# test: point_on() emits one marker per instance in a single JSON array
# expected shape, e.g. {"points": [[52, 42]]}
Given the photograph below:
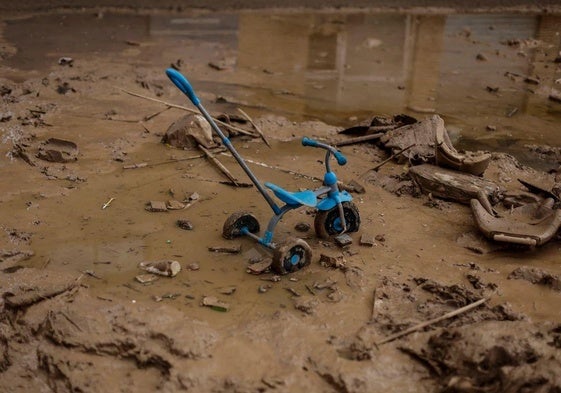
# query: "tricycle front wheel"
{"points": [[328, 222]]}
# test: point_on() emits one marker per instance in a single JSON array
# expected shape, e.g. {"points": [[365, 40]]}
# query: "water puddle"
{"points": [[488, 75]]}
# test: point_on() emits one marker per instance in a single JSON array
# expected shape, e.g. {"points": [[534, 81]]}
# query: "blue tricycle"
{"points": [[336, 213]]}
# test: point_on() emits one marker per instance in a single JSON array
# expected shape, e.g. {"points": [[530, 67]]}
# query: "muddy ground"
{"points": [[73, 316]]}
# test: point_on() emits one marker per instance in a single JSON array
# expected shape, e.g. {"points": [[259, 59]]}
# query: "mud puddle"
{"points": [[83, 227]]}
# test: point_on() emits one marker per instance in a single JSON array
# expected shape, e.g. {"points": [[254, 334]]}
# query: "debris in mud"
{"points": [[536, 276], [396, 184], [464, 360], [452, 185], [184, 224], [215, 304], [343, 240], [193, 266], [379, 124], [223, 65], [66, 61], [65, 88], [446, 155], [530, 225], [58, 150], [477, 243], [332, 262], [173, 204], [228, 290], [253, 256], [167, 268], [146, 278], [306, 304], [367, 240], [226, 249], [261, 267], [188, 132], [157, 206]]}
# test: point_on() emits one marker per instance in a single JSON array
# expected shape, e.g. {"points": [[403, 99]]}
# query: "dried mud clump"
{"points": [[492, 357]]}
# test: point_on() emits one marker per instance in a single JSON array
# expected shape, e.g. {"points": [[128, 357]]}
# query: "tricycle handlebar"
{"points": [[341, 159]]}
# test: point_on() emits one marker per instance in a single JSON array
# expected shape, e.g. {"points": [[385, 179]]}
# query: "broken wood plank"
{"points": [[450, 184]]}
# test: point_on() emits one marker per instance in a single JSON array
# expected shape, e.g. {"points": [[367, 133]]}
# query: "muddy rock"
{"points": [[189, 131]]}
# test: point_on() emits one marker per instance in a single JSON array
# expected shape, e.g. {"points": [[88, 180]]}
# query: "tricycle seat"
{"points": [[306, 198]]}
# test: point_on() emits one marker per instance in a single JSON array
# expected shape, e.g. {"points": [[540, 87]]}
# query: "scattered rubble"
{"points": [[167, 268]]}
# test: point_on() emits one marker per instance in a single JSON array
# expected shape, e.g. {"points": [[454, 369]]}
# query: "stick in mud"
{"points": [[222, 168], [359, 139], [388, 160], [146, 165], [257, 128], [433, 321], [240, 130]]}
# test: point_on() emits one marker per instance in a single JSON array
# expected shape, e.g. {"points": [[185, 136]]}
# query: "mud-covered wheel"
{"points": [[234, 224], [328, 223], [291, 255]]}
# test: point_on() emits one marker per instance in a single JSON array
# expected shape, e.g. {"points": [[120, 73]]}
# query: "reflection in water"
{"points": [[471, 69]]}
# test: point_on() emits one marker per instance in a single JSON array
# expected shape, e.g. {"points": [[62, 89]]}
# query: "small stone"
{"points": [[381, 238], [185, 224], [157, 206], [193, 266], [215, 304], [227, 290], [481, 57], [367, 240], [264, 288], [302, 227], [491, 128]]}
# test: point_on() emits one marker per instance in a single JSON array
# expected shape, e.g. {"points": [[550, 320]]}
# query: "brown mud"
{"points": [[75, 224]]}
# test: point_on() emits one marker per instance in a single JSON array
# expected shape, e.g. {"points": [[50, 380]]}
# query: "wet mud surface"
{"points": [[89, 192]]}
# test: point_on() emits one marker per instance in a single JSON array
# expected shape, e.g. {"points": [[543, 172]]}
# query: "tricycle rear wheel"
{"points": [[291, 255], [237, 221]]}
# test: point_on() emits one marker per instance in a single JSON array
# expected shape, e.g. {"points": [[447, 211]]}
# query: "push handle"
{"points": [[341, 159], [183, 84], [309, 142]]}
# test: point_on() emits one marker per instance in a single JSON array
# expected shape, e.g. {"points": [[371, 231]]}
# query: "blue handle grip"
{"points": [[309, 142], [341, 159], [183, 84]]}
